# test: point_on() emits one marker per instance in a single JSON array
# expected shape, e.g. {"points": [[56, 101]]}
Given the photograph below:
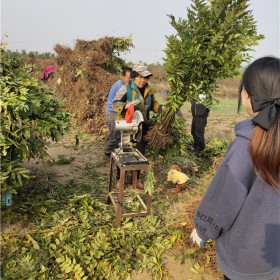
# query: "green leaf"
{"points": [[68, 269]]}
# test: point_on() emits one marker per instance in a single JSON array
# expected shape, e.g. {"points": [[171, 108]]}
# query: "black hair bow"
{"points": [[267, 110]]}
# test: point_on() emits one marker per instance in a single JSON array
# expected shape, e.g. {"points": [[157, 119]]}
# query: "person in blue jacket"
{"points": [[111, 114], [241, 207]]}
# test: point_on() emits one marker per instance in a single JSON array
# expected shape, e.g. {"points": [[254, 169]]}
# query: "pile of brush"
{"points": [[83, 78]]}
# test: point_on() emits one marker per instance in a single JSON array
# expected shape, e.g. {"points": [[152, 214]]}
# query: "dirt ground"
{"points": [[218, 125], [90, 151]]}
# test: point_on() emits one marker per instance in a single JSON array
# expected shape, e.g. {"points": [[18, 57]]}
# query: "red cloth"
{"points": [[129, 114], [48, 70]]}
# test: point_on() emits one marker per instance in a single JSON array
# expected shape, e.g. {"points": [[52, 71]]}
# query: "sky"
{"points": [[38, 25]]}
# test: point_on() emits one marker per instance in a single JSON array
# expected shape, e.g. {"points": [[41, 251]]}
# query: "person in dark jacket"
{"points": [[199, 120], [241, 207]]}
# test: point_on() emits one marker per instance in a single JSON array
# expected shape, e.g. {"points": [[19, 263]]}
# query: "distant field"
{"points": [[225, 106], [220, 122]]}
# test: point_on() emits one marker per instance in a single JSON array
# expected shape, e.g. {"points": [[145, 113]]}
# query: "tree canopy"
{"points": [[210, 44]]}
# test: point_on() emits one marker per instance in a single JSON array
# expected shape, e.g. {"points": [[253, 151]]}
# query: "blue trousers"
{"points": [[114, 137]]}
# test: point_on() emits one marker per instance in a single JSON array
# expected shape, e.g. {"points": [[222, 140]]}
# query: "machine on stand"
{"points": [[128, 158], [131, 131]]}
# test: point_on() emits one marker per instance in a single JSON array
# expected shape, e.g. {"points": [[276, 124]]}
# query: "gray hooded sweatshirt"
{"points": [[243, 214]]}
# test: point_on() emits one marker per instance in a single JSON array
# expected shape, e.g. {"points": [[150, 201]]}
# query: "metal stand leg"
{"points": [[120, 199], [119, 204], [110, 179], [134, 178]]}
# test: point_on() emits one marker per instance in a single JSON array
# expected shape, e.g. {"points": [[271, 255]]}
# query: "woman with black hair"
{"points": [[241, 207]]}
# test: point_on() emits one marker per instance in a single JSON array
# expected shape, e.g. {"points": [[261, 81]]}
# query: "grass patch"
{"points": [[224, 106]]}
